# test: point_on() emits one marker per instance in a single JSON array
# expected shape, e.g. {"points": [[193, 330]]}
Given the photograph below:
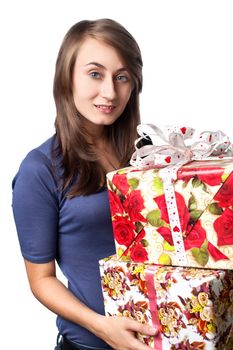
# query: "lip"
{"points": [[107, 109]]}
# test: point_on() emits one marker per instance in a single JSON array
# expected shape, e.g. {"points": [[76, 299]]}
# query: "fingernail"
{"points": [[153, 330]]}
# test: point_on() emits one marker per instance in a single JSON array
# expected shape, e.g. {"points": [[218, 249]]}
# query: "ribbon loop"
{"points": [[174, 144]]}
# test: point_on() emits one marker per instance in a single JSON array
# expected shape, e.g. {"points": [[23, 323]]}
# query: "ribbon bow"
{"points": [[170, 150], [174, 145]]}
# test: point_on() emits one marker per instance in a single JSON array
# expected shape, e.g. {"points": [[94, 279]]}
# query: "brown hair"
{"points": [[78, 158]]}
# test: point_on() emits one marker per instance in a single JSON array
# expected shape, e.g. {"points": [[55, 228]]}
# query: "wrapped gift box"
{"points": [[204, 199], [192, 308]]}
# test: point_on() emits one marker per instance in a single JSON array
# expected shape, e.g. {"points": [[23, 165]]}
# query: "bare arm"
{"points": [[118, 332]]}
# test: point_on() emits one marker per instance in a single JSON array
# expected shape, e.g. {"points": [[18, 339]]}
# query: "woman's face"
{"points": [[101, 82]]}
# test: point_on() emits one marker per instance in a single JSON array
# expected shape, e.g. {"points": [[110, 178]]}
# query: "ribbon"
{"points": [[168, 175], [150, 271], [175, 145], [170, 150]]}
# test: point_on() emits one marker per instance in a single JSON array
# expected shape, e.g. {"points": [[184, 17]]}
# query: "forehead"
{"points": [[95, 50]]}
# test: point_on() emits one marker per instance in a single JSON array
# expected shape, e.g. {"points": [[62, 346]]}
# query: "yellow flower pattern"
{"points": [[193, 307]]}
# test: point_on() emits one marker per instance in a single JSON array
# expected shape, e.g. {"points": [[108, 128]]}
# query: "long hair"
{"points": [[79, 161]]}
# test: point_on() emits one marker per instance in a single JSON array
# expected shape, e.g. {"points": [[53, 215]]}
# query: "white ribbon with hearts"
{"points": [[169, 150]]}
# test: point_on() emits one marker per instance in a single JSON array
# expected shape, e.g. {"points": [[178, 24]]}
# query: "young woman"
{"points": [[60, 201]]}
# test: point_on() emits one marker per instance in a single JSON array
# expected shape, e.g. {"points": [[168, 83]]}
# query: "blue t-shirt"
{"points": [[76, 232]]}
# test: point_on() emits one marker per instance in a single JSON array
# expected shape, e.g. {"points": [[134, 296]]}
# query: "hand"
{"points": [[120, 333]]}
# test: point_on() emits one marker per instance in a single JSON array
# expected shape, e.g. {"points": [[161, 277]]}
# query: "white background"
{"points": [[187, 47]]}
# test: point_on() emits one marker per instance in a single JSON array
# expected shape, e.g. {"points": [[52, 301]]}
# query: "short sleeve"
{"points": [[35, 208]]}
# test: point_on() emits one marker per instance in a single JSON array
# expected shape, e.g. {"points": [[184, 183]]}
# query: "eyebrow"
{"points": [[103, 67]]}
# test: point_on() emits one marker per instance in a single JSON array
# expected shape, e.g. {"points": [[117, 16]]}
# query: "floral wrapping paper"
{"points": [[193, 308], [204, 198]]}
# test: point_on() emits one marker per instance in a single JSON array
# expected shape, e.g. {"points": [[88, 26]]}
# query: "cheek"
{"points": [[81, 96], [83, 89], [125, 95]]}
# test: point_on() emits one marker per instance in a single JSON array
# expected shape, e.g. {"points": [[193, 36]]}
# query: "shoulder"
{"points": [[40, 156], [42, 153], [39, 163]]}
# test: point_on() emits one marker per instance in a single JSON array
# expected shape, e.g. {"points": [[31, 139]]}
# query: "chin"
{"points": [[106, 121]]}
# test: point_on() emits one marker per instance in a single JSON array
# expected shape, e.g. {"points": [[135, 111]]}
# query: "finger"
{"points": [[137, 344], [145, 329]]}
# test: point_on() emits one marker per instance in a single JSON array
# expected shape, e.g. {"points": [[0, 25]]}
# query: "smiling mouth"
{"points": [[105, 108]]}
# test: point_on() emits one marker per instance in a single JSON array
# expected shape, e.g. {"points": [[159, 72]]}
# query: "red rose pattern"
{"points": [[165, 232], [123, 230], [133, 205], [121, 183], [184, 215], [138, 253], [216, 253], [195, 237], [212, 176], [115, 204], [224, 196], [126, 214], [224, 228]]}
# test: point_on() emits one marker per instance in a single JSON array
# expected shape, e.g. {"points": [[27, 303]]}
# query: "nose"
{"points": [[108, 89]]}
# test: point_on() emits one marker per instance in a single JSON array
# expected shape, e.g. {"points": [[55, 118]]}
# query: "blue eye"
{"points": [[122, 78], [95, 75]]}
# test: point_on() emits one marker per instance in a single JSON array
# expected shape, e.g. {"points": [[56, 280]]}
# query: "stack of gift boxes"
{"points": [[190, 300]]}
